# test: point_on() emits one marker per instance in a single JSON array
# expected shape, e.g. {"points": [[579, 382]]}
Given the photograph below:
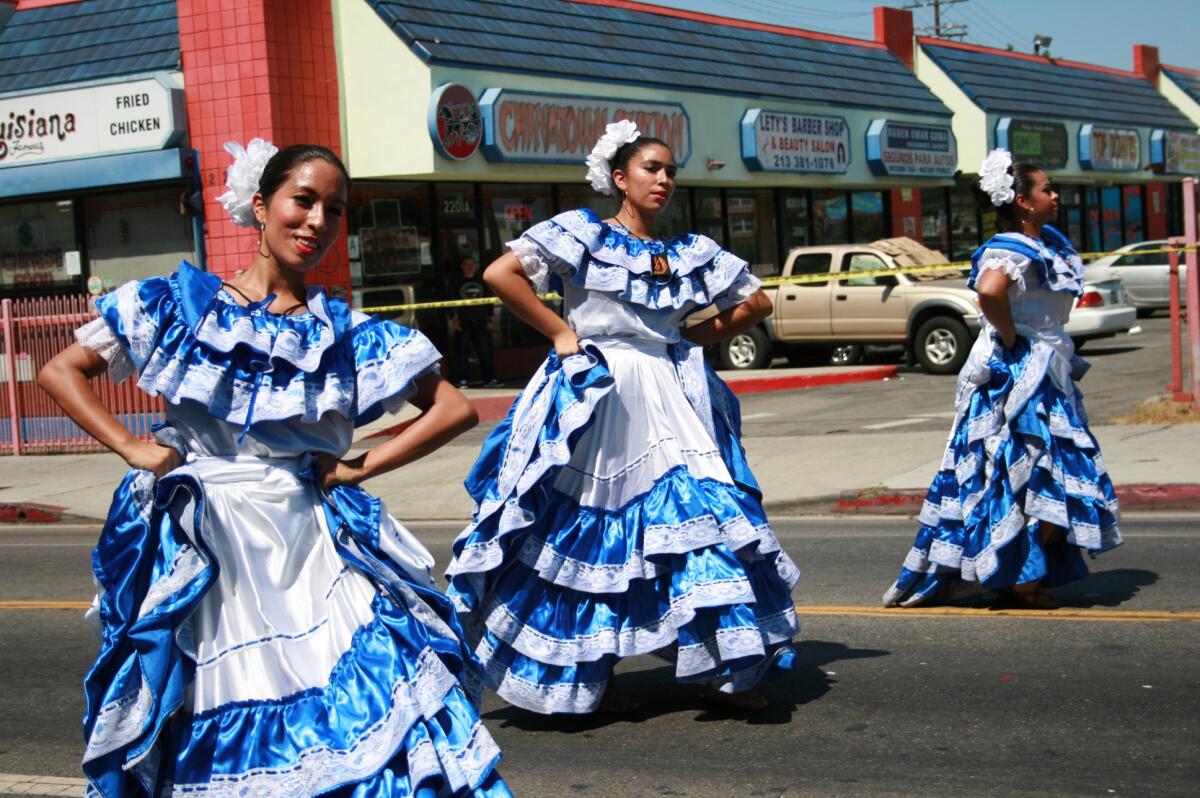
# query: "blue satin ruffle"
{"points": [[556, 592], [1059, 266], [580, 247], [189, 340], [397, 717], [1020, 455]]}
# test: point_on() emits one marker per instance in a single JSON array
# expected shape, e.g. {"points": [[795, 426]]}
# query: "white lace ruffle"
{"points": [[98, 337], [535, 266], [741, 289], [1013, 264]]}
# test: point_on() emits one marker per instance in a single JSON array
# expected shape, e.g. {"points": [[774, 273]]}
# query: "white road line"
{"points": [[900, 422], [947, 414], [758, 415], [14, 784]]}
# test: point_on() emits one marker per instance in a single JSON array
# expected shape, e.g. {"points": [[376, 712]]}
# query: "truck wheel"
{"points": [[747, 350], [942, 344]]}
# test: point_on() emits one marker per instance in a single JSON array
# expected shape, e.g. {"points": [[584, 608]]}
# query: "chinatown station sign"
{"points": [[1042, 143], [103, 119], [778, 141], [533, 127], [1175, 152], [1109, 149], [902, 149]]}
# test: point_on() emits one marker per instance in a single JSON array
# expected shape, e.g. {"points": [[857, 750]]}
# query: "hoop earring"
{"points": [[260, 247]]}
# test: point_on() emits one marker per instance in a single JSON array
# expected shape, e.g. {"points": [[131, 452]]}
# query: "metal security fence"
{"points": [[31, 332]]}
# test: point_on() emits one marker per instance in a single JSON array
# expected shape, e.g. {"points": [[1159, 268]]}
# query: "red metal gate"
{"points": [[33, 331]]}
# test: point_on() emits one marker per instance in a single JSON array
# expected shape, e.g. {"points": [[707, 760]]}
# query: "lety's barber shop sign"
{"points": [[901, 149], [1175, 152], [103, 119], [777, 141], [531, 127], [1109, 149]]}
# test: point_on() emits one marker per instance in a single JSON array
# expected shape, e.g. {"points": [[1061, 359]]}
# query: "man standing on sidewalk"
{"points": [[471, 326]]}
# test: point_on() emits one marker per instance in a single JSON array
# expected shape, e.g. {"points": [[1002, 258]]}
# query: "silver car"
{"points": [[1143, 270]]}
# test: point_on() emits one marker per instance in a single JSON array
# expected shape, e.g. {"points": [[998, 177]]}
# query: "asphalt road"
{"points": [[1125, 371], [1098, 699]]}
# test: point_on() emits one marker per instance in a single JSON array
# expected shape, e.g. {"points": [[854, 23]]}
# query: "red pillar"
{"points": [[258, 68], [1156, 210], [906, 213]]}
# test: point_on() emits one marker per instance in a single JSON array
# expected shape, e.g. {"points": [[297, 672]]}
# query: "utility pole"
{"points": [[955, 30]]}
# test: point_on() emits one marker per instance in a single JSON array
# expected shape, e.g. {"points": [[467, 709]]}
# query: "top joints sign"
{"points": [[103, 119], [536, 127]]}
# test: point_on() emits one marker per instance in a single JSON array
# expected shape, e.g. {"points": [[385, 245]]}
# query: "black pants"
{"points": [[473, 335]]}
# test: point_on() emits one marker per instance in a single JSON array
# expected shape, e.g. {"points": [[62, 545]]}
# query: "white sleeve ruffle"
{"points": [[741, 289], [535, 266], [1007, 261], [97, 336]]}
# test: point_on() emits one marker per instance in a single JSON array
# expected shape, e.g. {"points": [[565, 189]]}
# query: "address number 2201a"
{"points": [[457, 205]]}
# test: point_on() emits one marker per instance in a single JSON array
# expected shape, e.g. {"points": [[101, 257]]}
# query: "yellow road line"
{"points": [[40, 604], [1063, 614]]}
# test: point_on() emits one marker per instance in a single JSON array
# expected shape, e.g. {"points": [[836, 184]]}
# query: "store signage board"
{"points": [[535, 127], [102, 119], [1043, 143], [1109, 149], [903, 149], [780, 141], [454, 122], [1175, 152]]}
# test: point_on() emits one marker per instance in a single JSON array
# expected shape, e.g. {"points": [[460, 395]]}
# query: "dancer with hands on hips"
{"points": [[1022, 490], [266, 626], [615, 513]]}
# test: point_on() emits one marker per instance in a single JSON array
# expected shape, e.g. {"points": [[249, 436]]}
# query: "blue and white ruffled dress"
{"points": [[615, 512], [1020, 452], [260, 636]]}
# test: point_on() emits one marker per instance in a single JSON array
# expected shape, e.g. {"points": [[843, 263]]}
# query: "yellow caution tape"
{"points": [[772, 282]]}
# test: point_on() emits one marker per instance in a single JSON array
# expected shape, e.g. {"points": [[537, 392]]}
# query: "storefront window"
{"points": [[35, 239], [1132, 197], [572, 197], [676, 219], [830, 225], [510, 210], [137, 235], [964, 222], [935, 223], [867, 216], [1093, 216], [1110, 215], [1071, 212], [393, 228], [709, 214], [752, 229], [795, 219]]}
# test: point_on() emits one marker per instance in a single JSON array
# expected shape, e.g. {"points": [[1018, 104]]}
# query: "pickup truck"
{"points": [[937, 318]]}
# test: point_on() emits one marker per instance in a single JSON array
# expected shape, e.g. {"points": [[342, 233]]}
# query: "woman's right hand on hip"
{"points": [[153, 457], [566, 343]]}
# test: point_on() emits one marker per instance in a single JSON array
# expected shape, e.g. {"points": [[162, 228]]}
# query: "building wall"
{"points": [[1179, 98], [970, 122]]}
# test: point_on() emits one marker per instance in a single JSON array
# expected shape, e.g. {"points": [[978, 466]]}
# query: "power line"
{"points": [[939, 29]]}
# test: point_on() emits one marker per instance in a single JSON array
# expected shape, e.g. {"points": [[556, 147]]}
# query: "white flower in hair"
{"points": [[995, 179], [242, 178], [599, 164]]}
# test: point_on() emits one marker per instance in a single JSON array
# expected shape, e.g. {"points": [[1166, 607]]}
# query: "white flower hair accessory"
{"points": [[243, 177], [599, 164], [995, 179]]}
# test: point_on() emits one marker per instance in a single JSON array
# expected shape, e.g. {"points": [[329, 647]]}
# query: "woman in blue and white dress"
{"points": [[1022, 489], [266, 627], [615, 512]]}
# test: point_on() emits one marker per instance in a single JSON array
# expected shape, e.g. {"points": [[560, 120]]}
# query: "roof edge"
{"points": [[696, 16], [1041, 59], [1184, 70]]}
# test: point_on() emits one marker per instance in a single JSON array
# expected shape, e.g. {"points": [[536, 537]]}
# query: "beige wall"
{"points": [[1179, 98]]}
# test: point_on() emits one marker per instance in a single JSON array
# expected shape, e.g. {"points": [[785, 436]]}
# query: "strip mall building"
{"points": [[464, 121]]}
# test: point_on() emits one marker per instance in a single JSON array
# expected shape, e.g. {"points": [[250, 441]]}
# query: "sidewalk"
{"points": [[1154, 467]]}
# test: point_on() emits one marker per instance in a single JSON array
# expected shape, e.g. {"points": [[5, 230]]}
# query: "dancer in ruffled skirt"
{"points": [[615, 512], [1022, 490], [266, 627]]}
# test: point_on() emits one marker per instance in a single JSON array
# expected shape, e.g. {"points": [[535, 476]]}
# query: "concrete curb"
{"points": [[494, 408], [1181, 496]]}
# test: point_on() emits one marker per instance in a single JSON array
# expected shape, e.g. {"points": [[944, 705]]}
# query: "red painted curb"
{"points": [[1138, 496], [740, 385], [30, 513]]}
